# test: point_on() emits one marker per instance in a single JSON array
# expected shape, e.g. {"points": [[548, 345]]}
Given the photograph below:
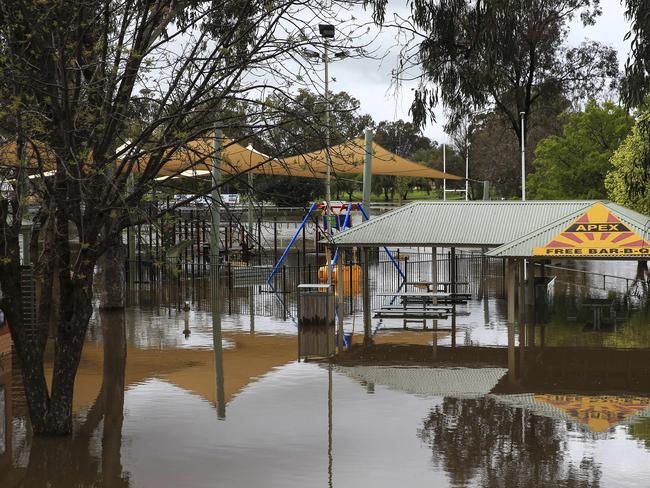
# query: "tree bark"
{"points": [[111, 277]]}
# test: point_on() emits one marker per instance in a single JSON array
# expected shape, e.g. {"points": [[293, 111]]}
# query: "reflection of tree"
{"points": [[640, 430], [72, 461], [484, 443]]}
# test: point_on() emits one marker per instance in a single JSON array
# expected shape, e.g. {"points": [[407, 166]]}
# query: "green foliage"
{"points": [[637, 81], [628, 183], [507, 53], [575, 163], [287, 191], [495, 151], [404, 139], [296, 126]]}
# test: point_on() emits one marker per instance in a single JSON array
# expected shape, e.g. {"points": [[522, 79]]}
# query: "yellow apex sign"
{"points": [[596, 233]]}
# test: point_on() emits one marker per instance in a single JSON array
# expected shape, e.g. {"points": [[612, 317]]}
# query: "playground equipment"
{"points": [[354, 275]]}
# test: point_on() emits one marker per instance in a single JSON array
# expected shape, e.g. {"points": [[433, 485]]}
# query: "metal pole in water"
{"points": [[214, 274]]}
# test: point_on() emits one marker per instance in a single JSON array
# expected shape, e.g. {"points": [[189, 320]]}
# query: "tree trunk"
{"points": [[111, 277]]}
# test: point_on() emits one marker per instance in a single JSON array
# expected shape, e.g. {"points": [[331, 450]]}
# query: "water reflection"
{"points": [[571, 409], [92, 456], [480, 442]]}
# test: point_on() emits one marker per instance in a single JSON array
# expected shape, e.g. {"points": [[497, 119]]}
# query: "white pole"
{"points": [[444, 170], [523, 157], [466, 168], [328, 191]]}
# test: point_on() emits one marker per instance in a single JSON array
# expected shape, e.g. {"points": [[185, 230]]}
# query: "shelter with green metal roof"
{"points": [[520, 232], [474, 224]]}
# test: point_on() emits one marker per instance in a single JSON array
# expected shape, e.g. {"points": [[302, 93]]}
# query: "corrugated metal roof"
{"points": [[524, 245], [468, 224]]}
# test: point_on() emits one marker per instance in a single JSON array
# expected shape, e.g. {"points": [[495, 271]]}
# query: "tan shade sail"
{"points": [[195, 159], [348, 158]]}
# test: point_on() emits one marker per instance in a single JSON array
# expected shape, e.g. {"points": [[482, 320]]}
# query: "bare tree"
{"points": [[97, 96]]}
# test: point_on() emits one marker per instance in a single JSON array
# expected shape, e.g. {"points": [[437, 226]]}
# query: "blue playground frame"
{"points": [[346, 223]]}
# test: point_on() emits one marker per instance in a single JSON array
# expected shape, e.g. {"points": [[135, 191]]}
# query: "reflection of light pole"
{"points": [[523, 156]]}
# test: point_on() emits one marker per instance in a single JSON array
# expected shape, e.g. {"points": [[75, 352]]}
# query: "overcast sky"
{"points": [[369, 80]]}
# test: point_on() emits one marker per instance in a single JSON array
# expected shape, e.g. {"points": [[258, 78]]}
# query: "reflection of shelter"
{"points": [[595, 388], [5, 396], [457, 382]]}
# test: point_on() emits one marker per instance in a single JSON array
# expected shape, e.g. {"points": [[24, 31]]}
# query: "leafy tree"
{"points": [[404, 139], [285, 191], [628, 182], [637, 77], [494, 151], [296, 127], [75, 78], [507, 54], [574, 164]]}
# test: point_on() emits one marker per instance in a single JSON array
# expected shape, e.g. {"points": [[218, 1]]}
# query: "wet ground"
{"points": [[154, 408]]}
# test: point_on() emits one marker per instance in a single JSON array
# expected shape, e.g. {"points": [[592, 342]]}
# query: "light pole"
{"points": [[523, 156], [327, 32], [467, 166]]}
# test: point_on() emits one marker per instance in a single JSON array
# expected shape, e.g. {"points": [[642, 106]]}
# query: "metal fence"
{"points": [[243, 286]]}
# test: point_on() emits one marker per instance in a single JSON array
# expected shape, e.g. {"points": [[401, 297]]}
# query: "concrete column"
{"points": [[367, 323]]}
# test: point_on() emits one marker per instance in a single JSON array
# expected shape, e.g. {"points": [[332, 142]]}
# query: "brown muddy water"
{"points": [[151, 411]]}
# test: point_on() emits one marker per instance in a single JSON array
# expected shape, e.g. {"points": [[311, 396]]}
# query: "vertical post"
{"points": [[434, 300], [275, 240], [530, 305], [444, 170], [131, 237], [259, 240], [214, 274], [522, 301], [466, 167], [249, 213], [367, 337], [510, 297], [367, 171], [328, 187], [523, 155], [510, 289], [340, 278], [452, 270]]}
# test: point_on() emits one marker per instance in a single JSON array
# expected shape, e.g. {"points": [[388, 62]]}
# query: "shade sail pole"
{"points": [[367, 170]]}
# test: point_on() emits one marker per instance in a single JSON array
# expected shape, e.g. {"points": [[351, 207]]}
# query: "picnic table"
{"points": [[413, 307], [427, 296], [446, 285], [598, 306]]}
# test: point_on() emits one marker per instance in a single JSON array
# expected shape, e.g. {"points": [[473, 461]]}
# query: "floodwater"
{"points": [[154, 408]]}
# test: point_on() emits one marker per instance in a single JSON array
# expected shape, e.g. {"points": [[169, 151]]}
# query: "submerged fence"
{"points": [[244, 287]]}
